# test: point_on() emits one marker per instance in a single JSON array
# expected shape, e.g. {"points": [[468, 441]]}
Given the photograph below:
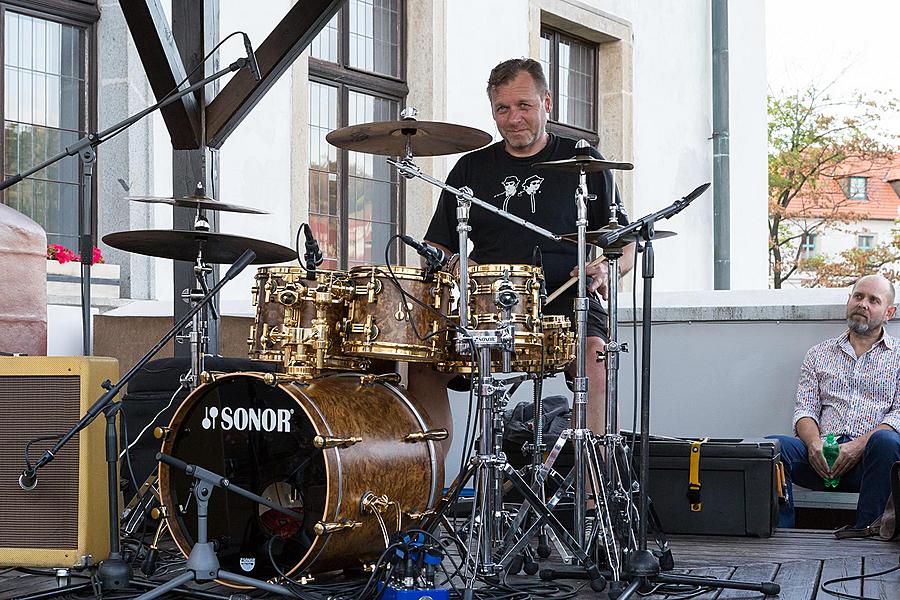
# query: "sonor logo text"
{"points": [[247, 419]]}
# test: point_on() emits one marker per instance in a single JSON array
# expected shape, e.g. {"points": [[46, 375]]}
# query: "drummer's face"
{"points": [[520, 112]]}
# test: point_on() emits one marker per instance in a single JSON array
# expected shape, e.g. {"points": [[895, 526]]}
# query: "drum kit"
{"points": [[341, 452]]}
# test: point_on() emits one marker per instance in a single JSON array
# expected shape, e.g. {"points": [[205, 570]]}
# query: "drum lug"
{"points": [[326, 441], [372, 379], [427, 435], [161, 433], [207, 377], [322, 528], [288, 296], [415, 516]]}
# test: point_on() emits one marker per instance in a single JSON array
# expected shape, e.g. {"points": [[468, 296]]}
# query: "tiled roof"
{"points": [[882, 203]]}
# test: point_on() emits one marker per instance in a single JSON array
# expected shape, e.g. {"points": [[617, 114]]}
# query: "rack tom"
{"points": [[383, 322], [297, 320]]}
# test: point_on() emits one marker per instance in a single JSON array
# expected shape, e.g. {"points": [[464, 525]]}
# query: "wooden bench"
{"points": [[805, 498]]}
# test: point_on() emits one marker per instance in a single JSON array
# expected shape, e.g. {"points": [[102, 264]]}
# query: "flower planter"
{"points": [[65, 280]]}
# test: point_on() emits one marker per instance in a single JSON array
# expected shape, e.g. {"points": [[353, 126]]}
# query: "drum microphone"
{"points": [[251, 59], [313, 257], [28, 480], [435, 257]]}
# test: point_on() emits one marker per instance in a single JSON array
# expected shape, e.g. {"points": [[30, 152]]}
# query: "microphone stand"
{"points": [[114, 572], [642, 567], [85, 148]]}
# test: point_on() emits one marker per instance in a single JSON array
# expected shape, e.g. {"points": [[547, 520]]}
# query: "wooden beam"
{"points": [[164, 68], [275, 55]]}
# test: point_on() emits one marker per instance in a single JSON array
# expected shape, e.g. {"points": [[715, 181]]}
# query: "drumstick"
{"points": [[560, 290], [566, 286]]}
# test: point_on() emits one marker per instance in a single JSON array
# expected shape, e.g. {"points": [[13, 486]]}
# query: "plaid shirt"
{"points": [[847, 395]]}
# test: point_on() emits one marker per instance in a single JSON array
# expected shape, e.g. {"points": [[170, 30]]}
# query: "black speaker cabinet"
{"points": [[64, 520]]}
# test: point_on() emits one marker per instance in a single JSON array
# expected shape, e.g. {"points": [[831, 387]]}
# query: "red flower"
{"points": [[62, 255]]}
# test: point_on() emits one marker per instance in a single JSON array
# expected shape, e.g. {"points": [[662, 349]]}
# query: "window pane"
{"points": [[325, 45], [576, 83], [373, 187], [546, 41], [375, 36], [324, 214], [44, 112]]}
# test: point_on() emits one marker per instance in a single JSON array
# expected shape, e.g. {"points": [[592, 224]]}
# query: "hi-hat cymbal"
{"points": [[426, 138], [588, 163], [595, 237], [217, 248], [195, 201]]}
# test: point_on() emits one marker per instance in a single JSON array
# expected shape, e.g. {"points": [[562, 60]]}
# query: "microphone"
{"points": [[251, 59], [435, 257], [313, 257], [28, 479], [537, 260], [243, 260]]}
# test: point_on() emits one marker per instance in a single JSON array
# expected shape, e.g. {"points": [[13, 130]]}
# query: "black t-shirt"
{"points": [[542, 196]]}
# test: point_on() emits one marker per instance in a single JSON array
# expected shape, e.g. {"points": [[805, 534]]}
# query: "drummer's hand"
{"points": [[598, 271]]}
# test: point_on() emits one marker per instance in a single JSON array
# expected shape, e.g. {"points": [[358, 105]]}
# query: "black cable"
{"points": [[853, 578], [29, 443]]}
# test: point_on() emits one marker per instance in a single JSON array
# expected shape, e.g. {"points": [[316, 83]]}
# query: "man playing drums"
{"points": [[520, 105]]}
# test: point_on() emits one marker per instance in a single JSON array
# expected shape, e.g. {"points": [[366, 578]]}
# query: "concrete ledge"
{"points": [[828, 304]]}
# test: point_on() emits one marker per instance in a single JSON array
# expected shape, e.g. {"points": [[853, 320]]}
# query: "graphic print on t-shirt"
{"points": [[530, 188], [510, 185]]}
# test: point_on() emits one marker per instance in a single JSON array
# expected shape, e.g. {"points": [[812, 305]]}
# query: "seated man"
{"points": [[849, 387]]}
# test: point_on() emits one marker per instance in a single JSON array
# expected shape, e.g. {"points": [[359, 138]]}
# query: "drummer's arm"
{"points": [[626, 263]]}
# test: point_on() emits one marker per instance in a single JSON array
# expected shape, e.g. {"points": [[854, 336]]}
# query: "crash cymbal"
{"points": [[588, 163], [595, 237], [426, 138], [218, 248], [195, 201]]}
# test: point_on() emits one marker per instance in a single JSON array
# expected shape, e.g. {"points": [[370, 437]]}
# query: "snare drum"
{"points": [[382, 323], [312, 446], [297, 320], [485, 281]]}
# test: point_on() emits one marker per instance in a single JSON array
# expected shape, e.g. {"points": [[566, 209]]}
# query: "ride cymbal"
{"points": [[587, 163], [595, 237], [217, 248], [426, 138]]}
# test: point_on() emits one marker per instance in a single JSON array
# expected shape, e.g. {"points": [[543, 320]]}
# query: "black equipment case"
{"points": [[738, 489]]}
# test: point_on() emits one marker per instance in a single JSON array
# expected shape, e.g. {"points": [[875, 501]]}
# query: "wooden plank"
{"points": [[758, 573], [887, 586], [164, 68], [840, 567], [275, 55], [709, 573], [798, 579]]}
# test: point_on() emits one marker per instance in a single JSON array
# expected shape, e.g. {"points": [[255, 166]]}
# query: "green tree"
{"points": [[810, 134]]}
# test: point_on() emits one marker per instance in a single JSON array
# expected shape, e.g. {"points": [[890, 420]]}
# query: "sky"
{"points": [[854, 44]]}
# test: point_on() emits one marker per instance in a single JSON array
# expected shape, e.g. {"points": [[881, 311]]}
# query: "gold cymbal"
{"points": [[217, 248], [197, 201], [426, 138], [587, 163], [595, 237]]}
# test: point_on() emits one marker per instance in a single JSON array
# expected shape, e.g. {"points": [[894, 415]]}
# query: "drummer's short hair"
{"points": [[510, 69]]}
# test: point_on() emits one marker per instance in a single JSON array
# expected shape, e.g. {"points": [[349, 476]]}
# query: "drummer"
{"points": [[520, 104]]}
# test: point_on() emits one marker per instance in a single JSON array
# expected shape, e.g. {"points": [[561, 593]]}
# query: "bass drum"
{"points": [[264, 435]]}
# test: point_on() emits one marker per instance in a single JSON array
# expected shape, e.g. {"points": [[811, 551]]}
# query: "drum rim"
{"points": [[399, 271]]}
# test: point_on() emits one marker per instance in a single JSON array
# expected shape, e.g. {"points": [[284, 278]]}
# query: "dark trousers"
{"points": [[870, 477]]}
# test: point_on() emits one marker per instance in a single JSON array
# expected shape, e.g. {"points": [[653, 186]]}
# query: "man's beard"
{"points": [[861, 327]]}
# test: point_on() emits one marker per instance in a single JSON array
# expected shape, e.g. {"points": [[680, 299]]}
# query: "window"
{"points": [[865, 241], [857, 188], [45, 109], [808, 245], [356, 76], [570, 66]]}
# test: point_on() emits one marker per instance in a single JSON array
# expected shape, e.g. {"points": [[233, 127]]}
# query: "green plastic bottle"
{"points": [[831, 450]]}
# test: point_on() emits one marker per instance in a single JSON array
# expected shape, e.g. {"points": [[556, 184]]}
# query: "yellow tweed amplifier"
{"points": [[64, 520]]}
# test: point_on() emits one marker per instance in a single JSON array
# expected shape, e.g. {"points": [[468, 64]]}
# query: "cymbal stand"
{"points": [[489, 465], [199, 335]]}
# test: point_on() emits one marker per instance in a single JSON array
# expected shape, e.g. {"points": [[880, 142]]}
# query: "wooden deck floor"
{"points": [[798, 560]]}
